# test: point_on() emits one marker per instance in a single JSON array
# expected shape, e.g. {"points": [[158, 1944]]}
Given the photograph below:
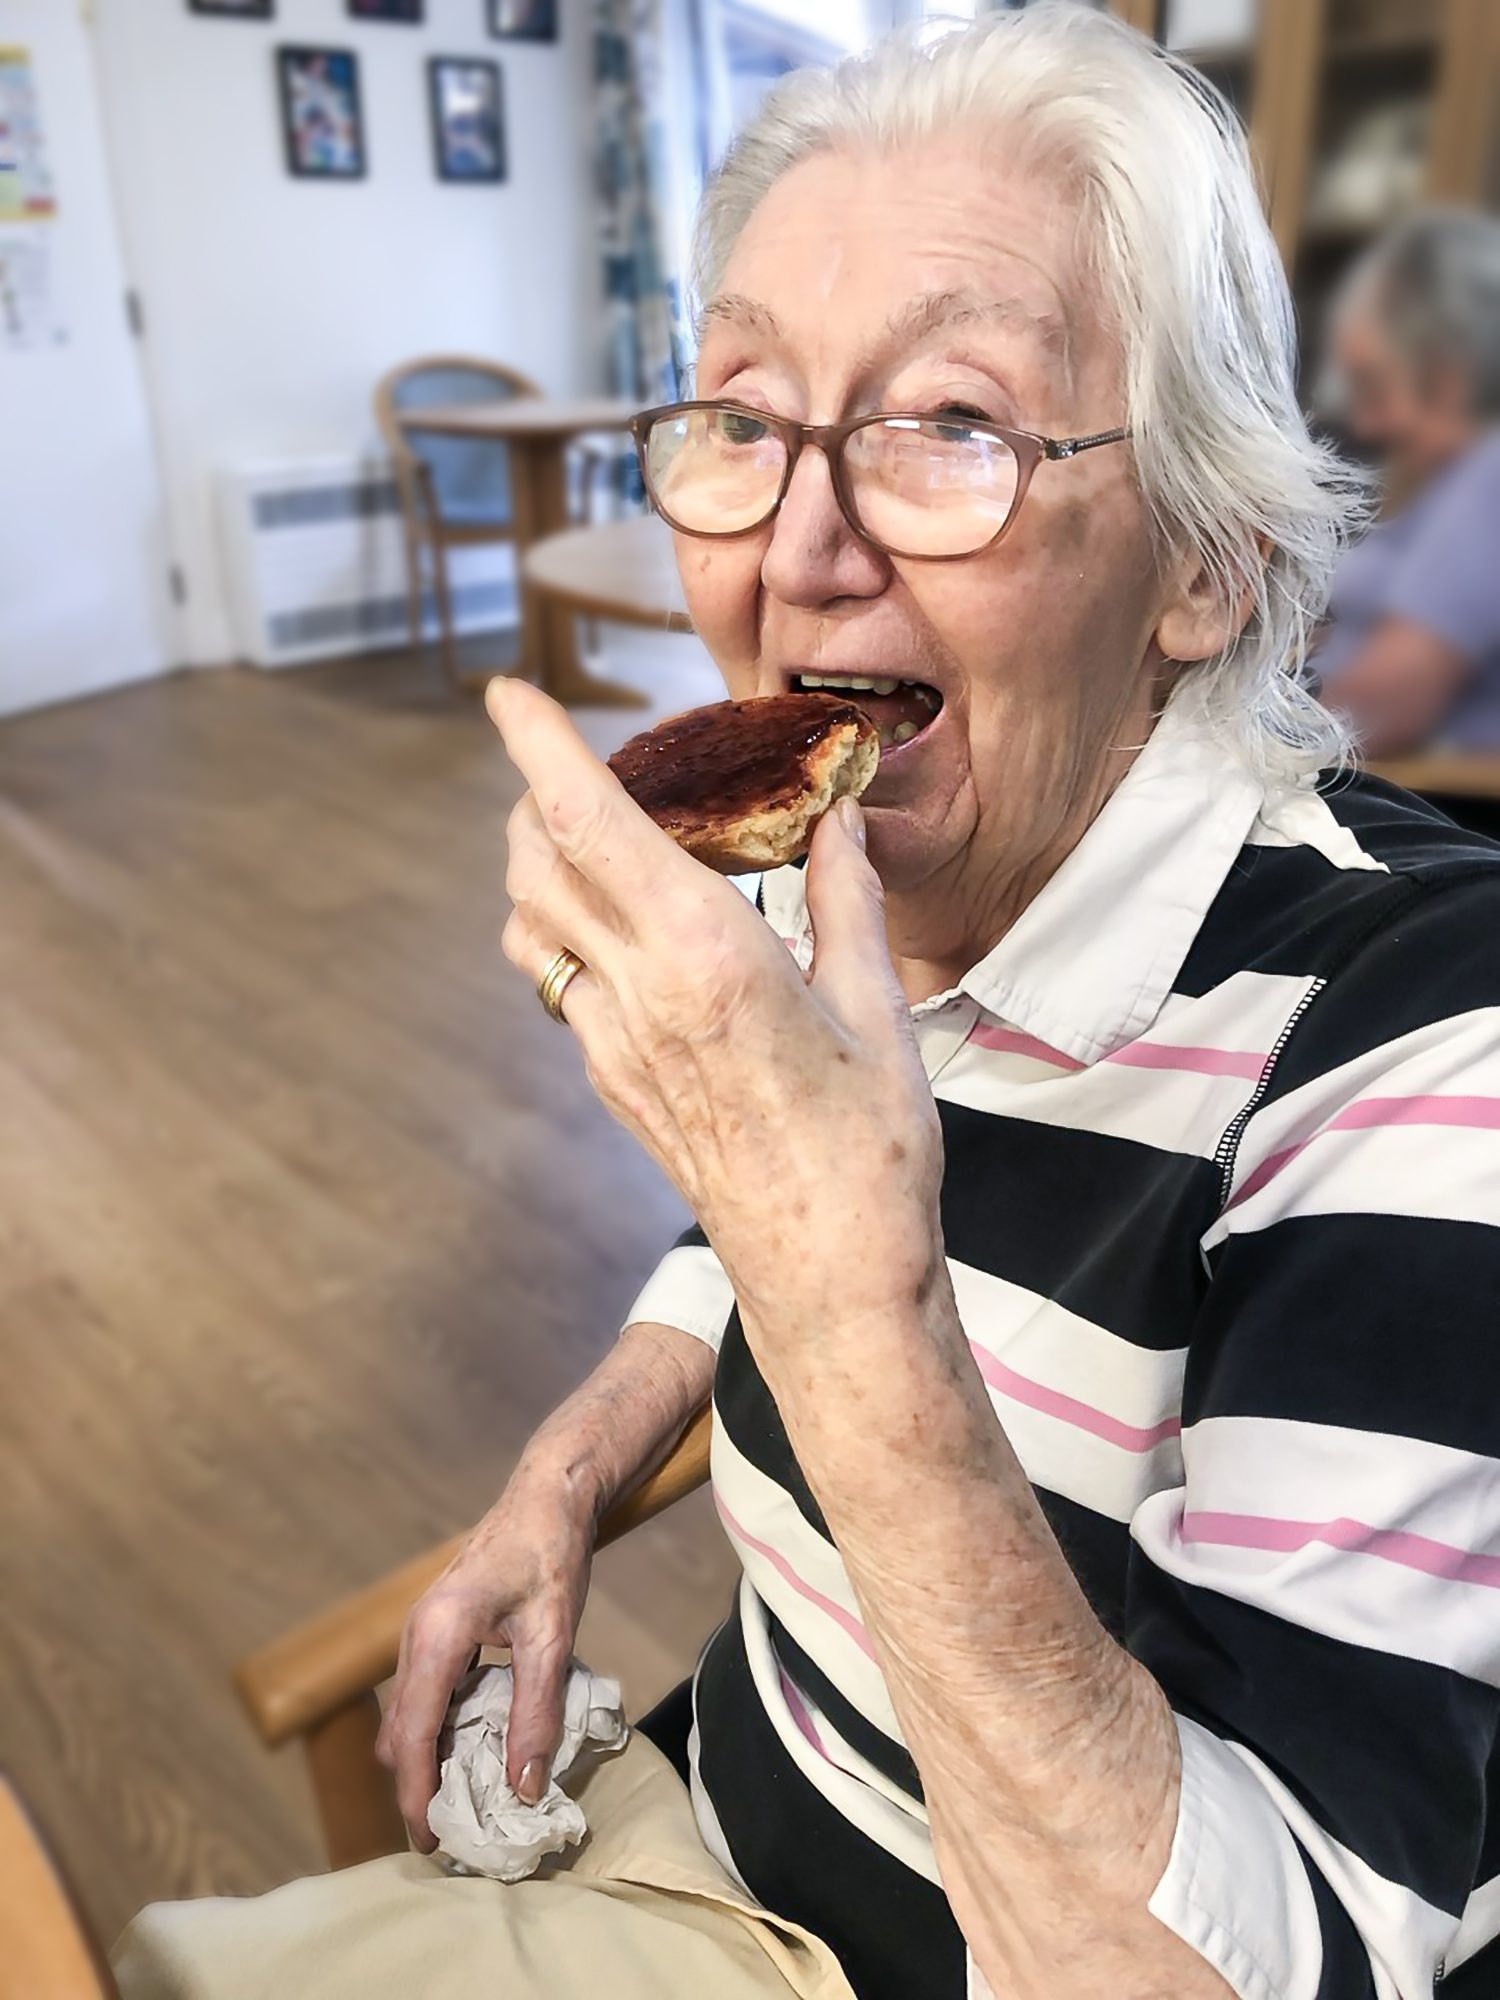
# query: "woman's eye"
{"points": [[736, 428]]}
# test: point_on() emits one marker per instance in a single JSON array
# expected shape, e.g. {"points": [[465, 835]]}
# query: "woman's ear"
{"points": [[1202, 614]]}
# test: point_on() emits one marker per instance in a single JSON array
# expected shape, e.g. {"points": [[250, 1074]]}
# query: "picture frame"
{"points": [[523, 20], [411, 12], [468, 119], [322, 121], [234, 10]]}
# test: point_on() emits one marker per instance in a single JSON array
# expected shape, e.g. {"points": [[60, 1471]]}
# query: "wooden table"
{"points": [[1448, 774], [537, 430], [623, 569]]}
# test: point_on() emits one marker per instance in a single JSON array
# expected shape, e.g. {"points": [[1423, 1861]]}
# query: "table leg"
{"points": [[551, 633]]}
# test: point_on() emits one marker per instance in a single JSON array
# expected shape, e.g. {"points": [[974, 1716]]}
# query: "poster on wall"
{"points": [[410, 11], [28, 305], [26, 191], [468, 119], [320, 115], [523, 20]]}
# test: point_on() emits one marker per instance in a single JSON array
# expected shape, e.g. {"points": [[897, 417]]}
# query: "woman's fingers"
{"points": [[548, 890], [851, 970], [437, 1653], [584, 807], [541, 1650]]}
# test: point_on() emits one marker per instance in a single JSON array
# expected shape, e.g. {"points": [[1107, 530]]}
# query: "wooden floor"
{"points": [[307, 1215]]}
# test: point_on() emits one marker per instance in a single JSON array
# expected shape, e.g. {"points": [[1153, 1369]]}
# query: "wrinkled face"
{"points": [[932, 281], [1415, 424]]}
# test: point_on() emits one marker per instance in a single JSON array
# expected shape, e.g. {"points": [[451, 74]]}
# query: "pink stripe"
{"points": [[800, 1715], [1480, 1113], [1397, 1545], [1247, 1063], [1010, 1041], [845, 1620], [1068, 1409]]}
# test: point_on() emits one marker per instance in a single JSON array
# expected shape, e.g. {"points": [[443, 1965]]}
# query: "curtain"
{"points": [[645, 344]]}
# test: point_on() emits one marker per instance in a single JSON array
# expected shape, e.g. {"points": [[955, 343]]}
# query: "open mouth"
{"points": [[900, 710]]}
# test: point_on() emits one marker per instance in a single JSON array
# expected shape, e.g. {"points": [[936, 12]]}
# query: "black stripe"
{"points": [[1276, 913], [891, 1929], [1437, 957], [1347, 1973], [1478, 1978], [1097, 1549], [893, 1760], [1387, 1754], [1107, 1227], [747, 1412], [1405, 832], [1372, 1322]]}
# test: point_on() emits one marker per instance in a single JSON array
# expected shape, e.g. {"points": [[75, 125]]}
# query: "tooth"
{"points": [[855, 682], [904, 732], [812, 680], [883, 687]]}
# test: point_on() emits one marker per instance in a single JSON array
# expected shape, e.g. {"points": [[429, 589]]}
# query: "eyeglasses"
{"points": [[929, 488]]}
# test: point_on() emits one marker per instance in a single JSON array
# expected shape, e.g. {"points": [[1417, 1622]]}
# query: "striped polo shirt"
{"points": [[1222, 1184]]}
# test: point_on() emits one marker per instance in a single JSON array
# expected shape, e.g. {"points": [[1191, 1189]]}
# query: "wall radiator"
{"points": [[315, 565]]}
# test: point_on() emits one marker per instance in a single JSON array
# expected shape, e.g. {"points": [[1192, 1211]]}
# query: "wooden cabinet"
{"points": [[1358, 110]]}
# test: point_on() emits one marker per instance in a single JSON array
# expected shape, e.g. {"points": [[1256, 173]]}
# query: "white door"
{"points": [[83, 555]]}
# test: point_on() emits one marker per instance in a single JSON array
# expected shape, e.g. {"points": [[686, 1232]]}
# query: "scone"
{"points": [[741, 784]]}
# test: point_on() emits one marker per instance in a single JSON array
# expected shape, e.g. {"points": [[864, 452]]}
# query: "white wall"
{"points": [[272, 304], [82, 542]]}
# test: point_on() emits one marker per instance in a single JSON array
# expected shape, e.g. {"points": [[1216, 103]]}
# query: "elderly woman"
{"points": [[1413, 647], [1098, 1200]]}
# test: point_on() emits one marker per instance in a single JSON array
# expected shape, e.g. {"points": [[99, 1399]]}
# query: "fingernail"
{"points": [[533, 1781], [852, 820]]}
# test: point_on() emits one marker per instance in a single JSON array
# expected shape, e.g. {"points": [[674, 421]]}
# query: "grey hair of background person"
{"points": [[1175, 248], [1433, 286]]}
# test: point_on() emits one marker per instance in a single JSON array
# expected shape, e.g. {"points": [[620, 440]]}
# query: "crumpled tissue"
{"points": [[481, 1827]]}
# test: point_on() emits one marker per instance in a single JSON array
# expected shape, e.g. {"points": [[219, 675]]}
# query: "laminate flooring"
{"points": [[307, 1216]]}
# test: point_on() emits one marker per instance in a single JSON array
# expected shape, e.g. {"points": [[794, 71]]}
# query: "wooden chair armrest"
{"points": [[306, 1676]]}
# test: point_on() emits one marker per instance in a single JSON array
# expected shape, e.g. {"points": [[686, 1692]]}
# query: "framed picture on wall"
{"points": [[387, 10], [524, 20], [468, 118], [235, 10], [320, 114]]}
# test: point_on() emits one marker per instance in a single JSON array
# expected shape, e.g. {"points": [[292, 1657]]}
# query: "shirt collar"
{"points": [[1087, 965]]}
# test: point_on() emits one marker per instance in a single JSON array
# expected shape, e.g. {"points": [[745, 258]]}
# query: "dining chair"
{"points": [[317, 1683], [455, 492]]}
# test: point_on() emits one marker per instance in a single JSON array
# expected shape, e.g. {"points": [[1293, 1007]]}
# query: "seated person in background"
{"points": [[1413, 652]]}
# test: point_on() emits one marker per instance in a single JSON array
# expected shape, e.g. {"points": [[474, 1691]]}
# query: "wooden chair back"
{"points": [[447, 378]]}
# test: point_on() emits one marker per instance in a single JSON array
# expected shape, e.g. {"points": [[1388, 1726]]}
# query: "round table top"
{"points": [[621, 569], [541, 417]]}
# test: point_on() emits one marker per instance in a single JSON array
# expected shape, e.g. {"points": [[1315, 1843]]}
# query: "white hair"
{"points": [[1173, 236]]}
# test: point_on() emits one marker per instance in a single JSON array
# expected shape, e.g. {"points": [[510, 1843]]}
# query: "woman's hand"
{"points": [[519, 1581], [792, 1113]]}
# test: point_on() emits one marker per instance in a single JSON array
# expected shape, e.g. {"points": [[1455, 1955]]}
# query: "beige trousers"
{"points": [[640, 1912]]}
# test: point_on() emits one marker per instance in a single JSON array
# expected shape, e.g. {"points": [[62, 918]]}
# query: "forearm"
{"points": [[621, 1423], [1048, 1756]]}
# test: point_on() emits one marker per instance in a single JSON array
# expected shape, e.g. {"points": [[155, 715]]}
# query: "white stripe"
{"points": [[1303, 819], [1480, 1926], [1234, 1887], [1404, 1934], [843, 1753], [688, 1290], [1135, 1093], [1052, 1349], [763, 1510], [1442, 1171], [1264, 1470], [892, 1827], [709, 1830]]}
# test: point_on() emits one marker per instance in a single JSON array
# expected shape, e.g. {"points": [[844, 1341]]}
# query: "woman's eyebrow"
{"points": [[919, 319]]}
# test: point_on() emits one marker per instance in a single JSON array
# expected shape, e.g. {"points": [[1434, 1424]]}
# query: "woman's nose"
{"points": [[814, 554]]}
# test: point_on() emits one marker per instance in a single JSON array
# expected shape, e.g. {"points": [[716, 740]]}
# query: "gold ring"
{"points": [[556, 980]]}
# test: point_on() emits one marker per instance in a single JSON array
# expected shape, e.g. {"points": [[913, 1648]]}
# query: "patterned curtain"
{"points": [[642, 293]]}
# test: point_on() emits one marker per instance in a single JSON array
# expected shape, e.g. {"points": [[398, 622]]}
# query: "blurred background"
{"points": [[320, 321]]}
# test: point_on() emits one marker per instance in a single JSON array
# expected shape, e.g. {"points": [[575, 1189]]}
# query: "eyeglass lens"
{"points": [[921, 486]]}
